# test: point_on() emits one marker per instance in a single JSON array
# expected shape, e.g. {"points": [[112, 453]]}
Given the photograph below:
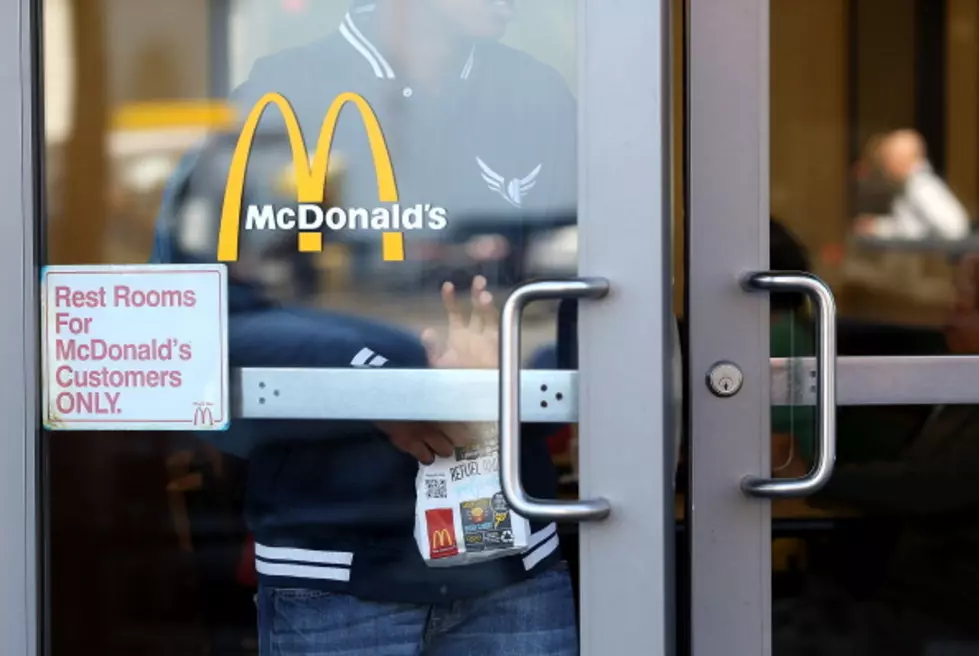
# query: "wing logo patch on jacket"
{"points": [[368, 358], [513, 191]]}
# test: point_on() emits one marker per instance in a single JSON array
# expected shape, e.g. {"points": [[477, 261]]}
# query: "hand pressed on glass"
{"points": [[465, 344], [472, 344]]}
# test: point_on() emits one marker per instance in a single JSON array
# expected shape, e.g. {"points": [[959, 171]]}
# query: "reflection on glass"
{"points": [[874, 160], [792, 336], [453, 161]]}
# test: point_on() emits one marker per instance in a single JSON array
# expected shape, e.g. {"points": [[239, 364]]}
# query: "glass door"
{"points": [[515, 132], [832, 171]]}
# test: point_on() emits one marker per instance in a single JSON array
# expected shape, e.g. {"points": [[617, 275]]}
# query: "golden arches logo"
{"points": [[442, 538], [310, 172], [203, 415]]}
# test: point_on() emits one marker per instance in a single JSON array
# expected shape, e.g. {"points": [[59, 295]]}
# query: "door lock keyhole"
{"points": [[724, 379]]}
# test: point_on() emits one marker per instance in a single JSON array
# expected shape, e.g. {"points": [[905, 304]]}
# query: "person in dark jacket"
{"points": [[488, 133]]}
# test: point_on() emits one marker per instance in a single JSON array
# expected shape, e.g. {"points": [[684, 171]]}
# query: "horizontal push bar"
{"points": [[547, 396], [551, 396]]}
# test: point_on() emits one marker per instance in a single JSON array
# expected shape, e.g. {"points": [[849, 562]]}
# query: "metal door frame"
{"points": [[19, 189], [626, 389], [727, 110], [625, 350]]}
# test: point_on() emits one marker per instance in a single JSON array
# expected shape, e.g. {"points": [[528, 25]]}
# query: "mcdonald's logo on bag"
{"points": [[308, 217], [441, 533], [442, 538]]}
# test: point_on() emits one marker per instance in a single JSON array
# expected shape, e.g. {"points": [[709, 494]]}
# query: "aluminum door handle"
{"points": [[510, 320], [825, 455]]}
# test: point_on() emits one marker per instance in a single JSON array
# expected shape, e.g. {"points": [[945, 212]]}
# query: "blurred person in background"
{"points": [[469, 123], [873, 192], [923, 206]]}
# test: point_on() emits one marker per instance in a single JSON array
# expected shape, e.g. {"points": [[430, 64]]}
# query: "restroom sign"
{"points": [[135, 347]]}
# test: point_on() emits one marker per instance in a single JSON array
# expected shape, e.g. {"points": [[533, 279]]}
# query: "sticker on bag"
{"points": [[461, 515]]}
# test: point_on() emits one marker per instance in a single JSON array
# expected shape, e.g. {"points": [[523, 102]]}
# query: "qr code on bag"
{"points": [[436, 488]]}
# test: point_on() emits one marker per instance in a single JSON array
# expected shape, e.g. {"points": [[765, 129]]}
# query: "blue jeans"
{"points": [[535, 616]]}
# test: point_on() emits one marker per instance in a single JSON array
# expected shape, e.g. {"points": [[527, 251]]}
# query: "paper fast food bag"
{"points": [[461, 515]]}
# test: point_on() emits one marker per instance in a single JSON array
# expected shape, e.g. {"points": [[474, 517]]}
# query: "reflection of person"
{"points": [[929, 593], [791, 337], [473, 126], [924, 206], [861, 434]]}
